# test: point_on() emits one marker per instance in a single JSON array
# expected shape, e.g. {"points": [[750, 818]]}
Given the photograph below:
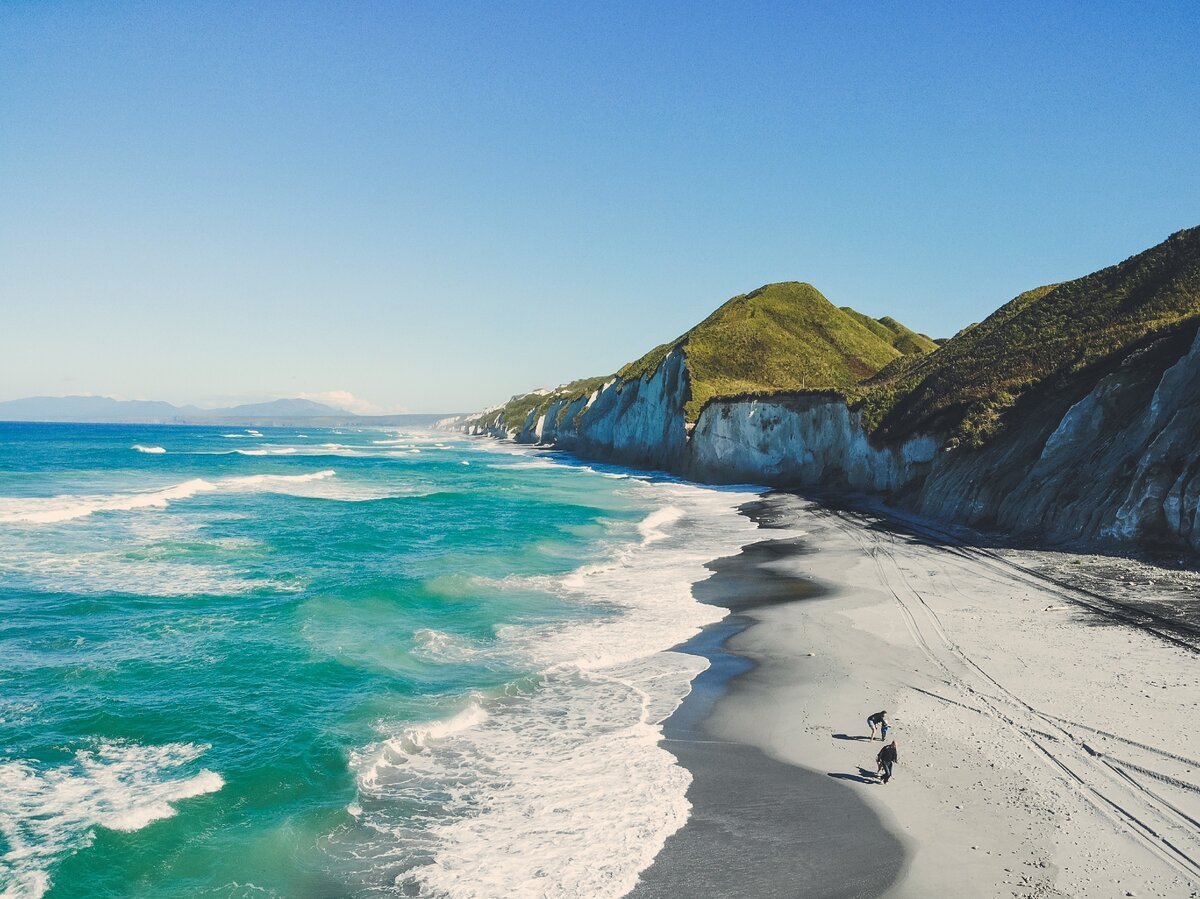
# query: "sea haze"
{"points": [[295, 413], [336, 662]]}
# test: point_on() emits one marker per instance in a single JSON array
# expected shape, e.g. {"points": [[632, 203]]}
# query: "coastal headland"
{"points": [[1071, 414]]}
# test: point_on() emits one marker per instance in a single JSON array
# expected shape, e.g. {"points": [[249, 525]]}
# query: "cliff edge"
{"points": [[1071, 413]]}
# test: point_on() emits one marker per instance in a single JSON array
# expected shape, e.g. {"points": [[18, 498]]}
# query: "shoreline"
{"points": [[1029, 767], [759, 826]]}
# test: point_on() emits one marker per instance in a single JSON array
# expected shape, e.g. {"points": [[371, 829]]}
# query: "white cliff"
{"points": [[1119, 464], [805, 440]]}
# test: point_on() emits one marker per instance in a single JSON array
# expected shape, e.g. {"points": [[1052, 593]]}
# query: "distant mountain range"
{"points": [[105, 410]]}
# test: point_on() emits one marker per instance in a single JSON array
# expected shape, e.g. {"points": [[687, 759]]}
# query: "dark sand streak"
{"points": [[759, 827]]}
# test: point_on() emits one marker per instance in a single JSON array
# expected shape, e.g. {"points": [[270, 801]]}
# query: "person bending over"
{"points": [[878, 720]]}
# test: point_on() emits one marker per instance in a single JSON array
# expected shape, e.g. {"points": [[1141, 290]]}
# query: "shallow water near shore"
{"points": [[316, 662]]}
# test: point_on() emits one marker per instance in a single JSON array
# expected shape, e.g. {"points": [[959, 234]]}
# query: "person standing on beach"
{"points": [[887, 757], [879, 719]]}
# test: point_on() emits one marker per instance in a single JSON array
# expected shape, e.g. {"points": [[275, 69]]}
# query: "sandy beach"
{"points": [[1044, 723]]}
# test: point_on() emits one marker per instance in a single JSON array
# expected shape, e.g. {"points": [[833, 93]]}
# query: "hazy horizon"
{"points": [[232, 402], [431, 209]]}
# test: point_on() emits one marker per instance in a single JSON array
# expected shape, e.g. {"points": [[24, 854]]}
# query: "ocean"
{"points": [[322, 663]]}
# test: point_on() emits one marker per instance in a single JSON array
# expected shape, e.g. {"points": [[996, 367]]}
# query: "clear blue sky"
{"points": [[433, 206]]}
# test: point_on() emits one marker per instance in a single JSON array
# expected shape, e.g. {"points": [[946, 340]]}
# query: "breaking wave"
{"points": [[51, 509], [565, 763]]}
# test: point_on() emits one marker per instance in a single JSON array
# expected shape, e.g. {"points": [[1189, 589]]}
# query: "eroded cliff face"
{"points": [[1111, 457], [1119, 464], [639, 423], [802, 440]]}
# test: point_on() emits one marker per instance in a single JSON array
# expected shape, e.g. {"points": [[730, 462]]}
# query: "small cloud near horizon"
{"points": [[344, 399]]}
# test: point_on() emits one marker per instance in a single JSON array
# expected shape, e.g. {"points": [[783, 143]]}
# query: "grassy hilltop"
{"points": [[787, 338], [1037, 340], [780, 338], [907, 341]]}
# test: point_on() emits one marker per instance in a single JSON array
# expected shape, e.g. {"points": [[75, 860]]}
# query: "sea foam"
{"points": [[565, 764], [651, 527], [49, 813]]}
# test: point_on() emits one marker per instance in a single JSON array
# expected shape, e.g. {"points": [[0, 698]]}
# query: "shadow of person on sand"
{"points": [[864, 776], [851, 737]]}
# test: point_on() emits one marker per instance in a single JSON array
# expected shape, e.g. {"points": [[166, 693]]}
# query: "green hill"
{"points": [[779, 338], [907, 341], [1037, 340]]}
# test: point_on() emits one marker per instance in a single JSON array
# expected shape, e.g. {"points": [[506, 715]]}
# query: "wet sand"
{"points": [[759, 826]]}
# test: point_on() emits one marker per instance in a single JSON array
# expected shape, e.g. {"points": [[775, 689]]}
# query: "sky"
{"points": [[433, 206]]}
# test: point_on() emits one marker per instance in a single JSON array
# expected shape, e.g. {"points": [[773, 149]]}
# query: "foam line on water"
{"points": [[440, 646], [112, 571], [153, 450], [374, 764], [316, 451]]}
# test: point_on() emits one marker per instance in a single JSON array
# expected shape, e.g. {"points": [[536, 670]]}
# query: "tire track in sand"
{"points": [[1103, 781]]}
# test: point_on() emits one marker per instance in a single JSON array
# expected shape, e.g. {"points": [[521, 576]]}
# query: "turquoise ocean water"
{"points": [[319, 663]]}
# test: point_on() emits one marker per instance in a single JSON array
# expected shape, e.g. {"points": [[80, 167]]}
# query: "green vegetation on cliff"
{"points": [[781, 338], [1035, 341], [517, 409]]}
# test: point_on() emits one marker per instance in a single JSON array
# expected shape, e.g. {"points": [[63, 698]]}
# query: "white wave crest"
{"points": [[47, 814], [571, 772], [651, 527], [154, 450], [438, 646], [52, 509], [317, 450], [412, 741], [528, 464], [101, 572], [268, 451]]}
